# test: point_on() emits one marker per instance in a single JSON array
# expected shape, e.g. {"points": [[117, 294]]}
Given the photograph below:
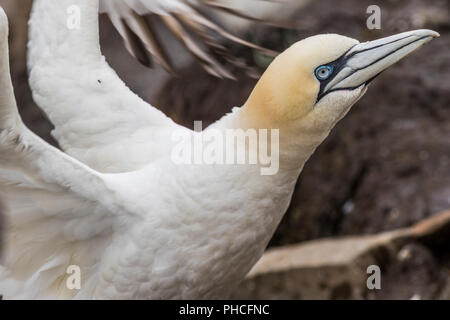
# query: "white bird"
{"points": [[155, 229]]}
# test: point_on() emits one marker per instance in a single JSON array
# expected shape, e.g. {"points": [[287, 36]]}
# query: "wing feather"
{"points": [[51, 216], [208, 62], [97, 119], [57, 211], [130, 10]]}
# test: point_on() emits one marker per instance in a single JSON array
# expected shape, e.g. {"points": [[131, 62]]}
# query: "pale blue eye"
{"points": [[323, 72]]}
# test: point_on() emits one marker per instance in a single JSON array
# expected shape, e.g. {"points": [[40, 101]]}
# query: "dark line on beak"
{"points": [[321, 95], [378, 46], [387, 55]]}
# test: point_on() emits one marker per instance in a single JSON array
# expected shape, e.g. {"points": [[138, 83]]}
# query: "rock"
{"points": [[414, 273], [337, 268], [320, 269]]}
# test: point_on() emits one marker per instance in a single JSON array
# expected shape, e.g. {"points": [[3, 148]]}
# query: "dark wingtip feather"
{"points": [[208, 62], [149, 40]]}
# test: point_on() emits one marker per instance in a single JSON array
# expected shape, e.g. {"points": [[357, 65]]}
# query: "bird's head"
{"points": [[316, 81]]}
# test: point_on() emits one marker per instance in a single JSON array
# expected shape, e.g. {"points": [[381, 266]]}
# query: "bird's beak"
{"points": [[364, 61]]}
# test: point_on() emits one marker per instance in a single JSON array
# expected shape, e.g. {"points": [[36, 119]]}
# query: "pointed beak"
{"points": [[364, 61]]}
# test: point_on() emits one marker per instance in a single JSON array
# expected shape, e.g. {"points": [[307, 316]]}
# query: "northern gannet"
{"points": [[165, 230]]}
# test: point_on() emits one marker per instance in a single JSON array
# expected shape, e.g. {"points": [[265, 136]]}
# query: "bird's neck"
{"points": [[238, 205], [297, 140]]}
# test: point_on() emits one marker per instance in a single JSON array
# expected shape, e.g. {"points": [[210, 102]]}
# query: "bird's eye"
{"points": [[323, 72]]}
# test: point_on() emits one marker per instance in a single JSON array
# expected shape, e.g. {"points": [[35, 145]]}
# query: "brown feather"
{"points": [[208, 62], [142, 41], [216, 47], [133, 43], [199, 18]]}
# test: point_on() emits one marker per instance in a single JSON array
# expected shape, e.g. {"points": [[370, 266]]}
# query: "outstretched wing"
{"points": [[194, 23], [58, 212], [51, 221], [97, 119]]}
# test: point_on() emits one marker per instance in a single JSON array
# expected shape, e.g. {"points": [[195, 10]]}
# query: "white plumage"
{"points": [[101, 222], [97, 118], [115, 204]]}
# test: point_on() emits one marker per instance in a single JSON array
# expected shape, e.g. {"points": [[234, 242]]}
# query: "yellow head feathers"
{"points": [[288, 89]]}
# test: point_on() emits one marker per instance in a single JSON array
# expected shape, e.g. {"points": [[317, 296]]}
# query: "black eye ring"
{"points": [[323, 72]]}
